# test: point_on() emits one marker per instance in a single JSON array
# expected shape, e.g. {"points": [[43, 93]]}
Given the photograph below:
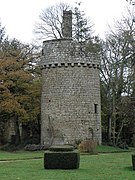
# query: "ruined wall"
{"points": [[70, 103]]}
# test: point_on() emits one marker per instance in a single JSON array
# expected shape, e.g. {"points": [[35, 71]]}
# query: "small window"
{"points": [[42, 52], [95, 108]]}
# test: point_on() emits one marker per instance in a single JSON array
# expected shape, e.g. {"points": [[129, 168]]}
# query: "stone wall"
{"points": [[67, 52], [70, 103]]}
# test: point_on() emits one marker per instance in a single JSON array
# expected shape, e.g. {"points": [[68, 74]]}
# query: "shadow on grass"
{"points": [[69, 170], [129, 168]]}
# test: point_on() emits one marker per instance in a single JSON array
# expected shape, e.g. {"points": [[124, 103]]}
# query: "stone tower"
{"points": [[70, 102]]}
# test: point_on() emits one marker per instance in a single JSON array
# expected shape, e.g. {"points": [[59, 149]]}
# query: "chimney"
{"points": [[67, 24]]}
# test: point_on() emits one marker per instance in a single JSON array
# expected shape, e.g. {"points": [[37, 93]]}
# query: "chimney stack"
{"points": [[67, 24]]}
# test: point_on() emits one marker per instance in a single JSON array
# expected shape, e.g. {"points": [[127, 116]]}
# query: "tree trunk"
{"points": [[17, 132], [109, 128], [114, 119], [118, 136], [133, 79]]}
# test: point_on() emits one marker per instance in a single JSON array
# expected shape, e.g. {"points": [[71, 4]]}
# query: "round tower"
{"points": [[70, 102]]}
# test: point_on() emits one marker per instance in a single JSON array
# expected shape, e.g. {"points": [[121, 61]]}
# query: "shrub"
{"points": [[10, 148], [61, 160], [35, 147], [88, 146], [61, 148]]}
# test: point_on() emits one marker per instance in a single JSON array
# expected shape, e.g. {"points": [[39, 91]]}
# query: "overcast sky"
{"points": [[19, 16]]}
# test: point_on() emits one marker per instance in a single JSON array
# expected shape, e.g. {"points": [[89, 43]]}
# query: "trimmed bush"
{"points": [[61, 160], [133, 161], [61, 148]]}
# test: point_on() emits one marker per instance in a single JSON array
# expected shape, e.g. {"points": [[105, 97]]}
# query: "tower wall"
{"points": [[70, 103]]}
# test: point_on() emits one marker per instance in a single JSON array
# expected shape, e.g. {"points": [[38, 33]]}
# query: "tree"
{"points": [[2, 32], [2, 37], [82, 27], [130, 1], [51, 23], [116, 77], [19, 93]]}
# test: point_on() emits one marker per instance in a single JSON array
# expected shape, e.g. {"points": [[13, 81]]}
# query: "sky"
{"points": [[20, 16]]}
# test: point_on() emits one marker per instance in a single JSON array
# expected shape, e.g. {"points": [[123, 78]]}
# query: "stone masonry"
{"points": [[70, 102]]}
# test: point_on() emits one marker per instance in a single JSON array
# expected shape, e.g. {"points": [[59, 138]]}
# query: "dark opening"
{"points": [[95, 108]]}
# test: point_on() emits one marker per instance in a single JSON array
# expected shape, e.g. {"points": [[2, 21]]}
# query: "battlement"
{"points": [[66, 52]]}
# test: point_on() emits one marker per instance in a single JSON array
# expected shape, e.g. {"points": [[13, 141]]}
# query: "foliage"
{"points": [[2, 33], [61, 148], [117, 80], [19, 85], [82, 26], [51, 23], [35, 147], [88, 146]]}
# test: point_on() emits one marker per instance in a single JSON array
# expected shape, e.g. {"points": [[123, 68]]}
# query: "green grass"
{"points": [[107, 166], [20, 155], [110, 149]]}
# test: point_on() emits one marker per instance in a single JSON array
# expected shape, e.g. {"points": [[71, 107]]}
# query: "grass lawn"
{"points": [[111, 149], [20, 155], [107, 166]]}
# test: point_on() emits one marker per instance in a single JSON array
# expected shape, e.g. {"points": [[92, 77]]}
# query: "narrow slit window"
{"points": [[95, 108]]}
